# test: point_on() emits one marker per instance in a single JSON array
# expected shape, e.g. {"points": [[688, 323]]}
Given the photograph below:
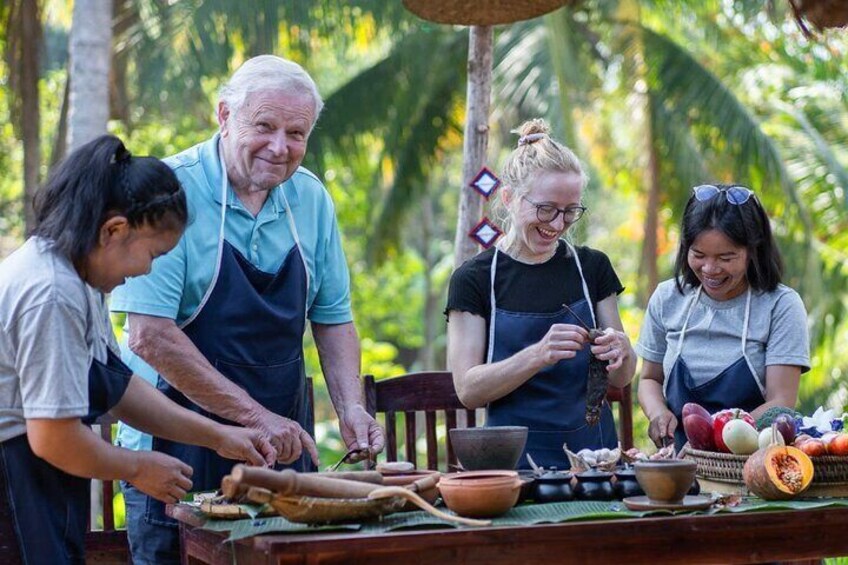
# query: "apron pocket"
{"points": [[280, 387]]}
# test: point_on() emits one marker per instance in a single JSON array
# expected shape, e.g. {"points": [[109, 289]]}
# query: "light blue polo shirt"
{"points": [[178, 280]]}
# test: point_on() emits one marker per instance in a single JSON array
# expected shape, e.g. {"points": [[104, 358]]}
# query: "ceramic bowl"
{"points": [[666, 480], [496, 447], [482, 494]]}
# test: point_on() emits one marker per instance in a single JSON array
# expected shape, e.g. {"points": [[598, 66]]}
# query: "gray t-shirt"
{"points": [[51, 326], [777, 331]]}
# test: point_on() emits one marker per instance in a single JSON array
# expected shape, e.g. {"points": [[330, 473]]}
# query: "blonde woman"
{"points": [[513, 344]]}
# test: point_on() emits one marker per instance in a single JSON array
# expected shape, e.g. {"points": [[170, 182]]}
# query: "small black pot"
{"points": [[594, 485], [553, 486], [626, 484], [528, 485], [696, 488]]}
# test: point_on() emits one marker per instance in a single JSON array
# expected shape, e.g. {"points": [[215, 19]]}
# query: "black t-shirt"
{"points": [[541, 288]]}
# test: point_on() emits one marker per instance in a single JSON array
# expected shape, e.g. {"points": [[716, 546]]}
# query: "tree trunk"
{"points": [[476, 137], [431, 307], [60, 141], [650, 244], [90, 51], [30, 114]]}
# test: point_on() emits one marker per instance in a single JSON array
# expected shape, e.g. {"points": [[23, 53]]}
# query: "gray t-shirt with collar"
{"points": [[52, 324], [777, 331]]}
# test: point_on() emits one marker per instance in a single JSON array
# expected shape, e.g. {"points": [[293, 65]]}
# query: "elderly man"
{"points": [[218, 323]]}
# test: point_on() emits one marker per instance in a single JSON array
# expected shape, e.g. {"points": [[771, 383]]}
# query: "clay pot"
{"points": [[666, 480], [497, 447], [553, 486], [481, 494], [626, 484], [528, 485], [594, 485]]}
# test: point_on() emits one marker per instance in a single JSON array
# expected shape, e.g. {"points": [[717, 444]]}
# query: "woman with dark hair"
{"points": [[103, 216], [724, 333]]}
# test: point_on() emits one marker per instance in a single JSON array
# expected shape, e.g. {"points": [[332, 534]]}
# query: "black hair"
{"points": [[98, 181], [746, 225]]}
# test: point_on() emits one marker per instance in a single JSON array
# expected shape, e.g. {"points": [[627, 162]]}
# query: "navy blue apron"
{"points": [[737, 386], [250, 327], [552, 404], [48, 507]]}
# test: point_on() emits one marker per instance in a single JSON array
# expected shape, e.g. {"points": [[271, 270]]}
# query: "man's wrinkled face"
{"points": [[265, 141]]}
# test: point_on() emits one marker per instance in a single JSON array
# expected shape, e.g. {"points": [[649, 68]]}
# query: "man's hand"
{"points": [[287, 437], [245, 444], [360, 430]]}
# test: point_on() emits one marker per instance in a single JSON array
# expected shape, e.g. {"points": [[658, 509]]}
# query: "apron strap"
{"points": [[492, 316], [583, 282], [689, 310], [220, 251], [296, 237], [492, 271]]}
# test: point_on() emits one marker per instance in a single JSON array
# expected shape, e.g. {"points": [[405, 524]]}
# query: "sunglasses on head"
{"points": [[736, 195]]}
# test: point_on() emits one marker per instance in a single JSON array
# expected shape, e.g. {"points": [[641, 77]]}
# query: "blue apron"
{"points": [[737, 386], [250, 327], [552, 404], [48, 507]]}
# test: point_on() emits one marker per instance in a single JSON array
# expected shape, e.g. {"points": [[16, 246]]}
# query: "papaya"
{"points": [[699, 432], [778, 472]]}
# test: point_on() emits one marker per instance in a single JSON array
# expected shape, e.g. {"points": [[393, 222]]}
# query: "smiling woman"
{"points": [[724, 333], [515, 340]]}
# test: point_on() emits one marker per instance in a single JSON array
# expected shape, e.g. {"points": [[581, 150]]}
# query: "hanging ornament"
{"points": [[486, 233], [486, 182]]}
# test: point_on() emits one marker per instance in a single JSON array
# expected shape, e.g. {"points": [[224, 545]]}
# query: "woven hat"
{"points": [[481, 12]]}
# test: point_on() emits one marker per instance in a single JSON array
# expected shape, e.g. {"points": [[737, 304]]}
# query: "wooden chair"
{"points": [[109, 545], [433, 393]]}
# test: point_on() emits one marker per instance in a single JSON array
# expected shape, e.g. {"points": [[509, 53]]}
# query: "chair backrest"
{"points": [[433, 394], [107, 545]]}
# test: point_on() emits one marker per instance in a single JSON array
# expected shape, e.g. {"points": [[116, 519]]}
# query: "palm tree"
{"points": [[91, 51], [22, 36]]}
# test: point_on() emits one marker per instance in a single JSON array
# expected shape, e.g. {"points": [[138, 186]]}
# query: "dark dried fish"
{"points": [[596, 388]]}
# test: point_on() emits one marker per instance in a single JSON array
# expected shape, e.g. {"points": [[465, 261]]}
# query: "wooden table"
{"points": [[749, 537]]}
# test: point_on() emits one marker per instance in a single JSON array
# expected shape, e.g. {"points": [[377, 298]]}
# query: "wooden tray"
{"points": [[231, 511]]}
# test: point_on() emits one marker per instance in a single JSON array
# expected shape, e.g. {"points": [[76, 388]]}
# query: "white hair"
{"points": [[268, 72]]}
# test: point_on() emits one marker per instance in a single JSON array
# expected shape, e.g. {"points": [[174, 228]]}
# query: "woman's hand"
{"points": [[161, 476], [613, 346], [562, 341], [662, 427], [245, 444]]}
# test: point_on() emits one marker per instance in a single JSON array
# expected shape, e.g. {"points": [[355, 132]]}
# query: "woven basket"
{"points": [[727, 468], [481, 12]]}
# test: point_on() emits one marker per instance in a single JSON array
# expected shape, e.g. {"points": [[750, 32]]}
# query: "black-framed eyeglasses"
{"points": [[548, 213], [736, 195]]}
